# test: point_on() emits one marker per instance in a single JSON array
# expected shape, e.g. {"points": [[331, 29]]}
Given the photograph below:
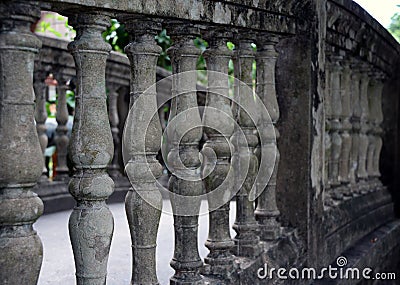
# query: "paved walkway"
{"points": [[58, 265]]}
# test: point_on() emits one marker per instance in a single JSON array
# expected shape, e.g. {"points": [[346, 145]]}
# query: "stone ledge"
{"points": [[371, 251], [287, 250], [348, 235], [201, 11], [345, 212], [352, 219]]}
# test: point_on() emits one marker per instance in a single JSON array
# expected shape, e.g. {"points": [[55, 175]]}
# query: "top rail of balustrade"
{"points": [[353, 31], [278, 16], [354, 9], [258, 15]]}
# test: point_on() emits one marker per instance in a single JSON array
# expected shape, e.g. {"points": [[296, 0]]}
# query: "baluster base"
{"points": [[143, 210], [346, 190], [355, 190], [270, 230], [220, 264], [268, 227], [91, 226], [363, 187], [337, 193], [187, 278], [376, 185], [21, 251], [87, 280], [247, 245], [21, 255]]}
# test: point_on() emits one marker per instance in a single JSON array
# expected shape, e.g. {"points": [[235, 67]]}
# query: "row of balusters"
{"points": [[91, 145], [63, 83], [61, 138], [353, 145], [353, 137], [184, 143], [60, 168]]}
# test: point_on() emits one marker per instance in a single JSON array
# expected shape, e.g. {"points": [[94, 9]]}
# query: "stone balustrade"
{"points": [[303, 140]]}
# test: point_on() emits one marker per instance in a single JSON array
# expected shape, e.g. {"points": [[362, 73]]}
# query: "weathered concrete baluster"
{"points": [[142, 135], [378, 130], [375, 139], [21, 157], [246, 227], [40, 118], [62, 138], [372, 109], [91, 223], [219, 130], [362, 174], [335, 126], [184, 154], [355, 121], [267, 211], [344, 161], [327, 137], [114, 168]]}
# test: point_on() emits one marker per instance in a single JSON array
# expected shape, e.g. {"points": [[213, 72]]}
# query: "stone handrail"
{"points": [[322, 126]]}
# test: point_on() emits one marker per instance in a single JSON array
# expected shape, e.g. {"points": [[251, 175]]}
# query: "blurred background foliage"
{"points": [[118, 38], [394, 27]]}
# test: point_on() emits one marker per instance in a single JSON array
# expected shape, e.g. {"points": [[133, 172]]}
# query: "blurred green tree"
{"points": [[394, 27]]}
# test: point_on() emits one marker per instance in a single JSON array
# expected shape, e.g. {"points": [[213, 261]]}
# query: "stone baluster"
{"points": [[355, 121], [21, 157], [267, 211], [372, 109], [344, 161], [40, 117], [91, 223], [62, 138], [327, 137], [142, 136], [114, 168], [183, 157], [246, 227], [219, 127], [335, 126], [362, 174], [375, 139], [378, 130]]}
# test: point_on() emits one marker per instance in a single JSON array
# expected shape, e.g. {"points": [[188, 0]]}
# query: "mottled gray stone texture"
{"points": [[20, 152], [184, 142], [142, 137], [328, 76], [91, 223], [220, 261]]}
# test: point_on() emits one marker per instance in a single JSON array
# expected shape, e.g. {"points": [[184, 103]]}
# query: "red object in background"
{"points": [[51, 83]]}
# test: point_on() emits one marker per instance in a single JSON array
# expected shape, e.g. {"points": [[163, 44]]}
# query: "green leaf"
{"points": [[394, 27], [70, 98]]}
